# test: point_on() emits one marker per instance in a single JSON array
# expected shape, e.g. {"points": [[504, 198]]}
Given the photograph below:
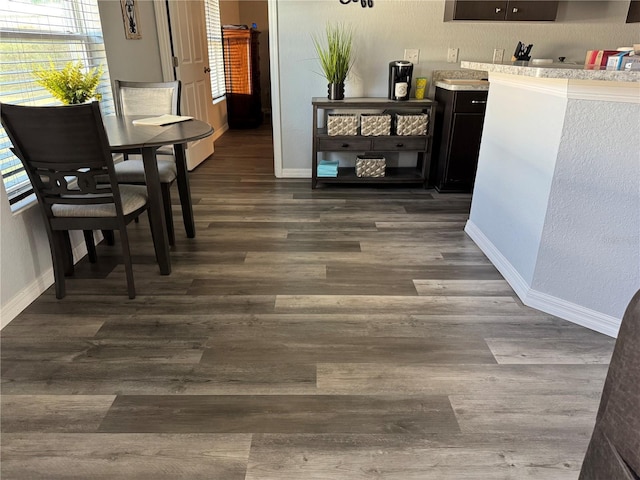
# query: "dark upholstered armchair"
{"points": [[614, 450]]}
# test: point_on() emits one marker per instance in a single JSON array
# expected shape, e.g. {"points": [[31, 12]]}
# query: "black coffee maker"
{"points": [[400, 72]]}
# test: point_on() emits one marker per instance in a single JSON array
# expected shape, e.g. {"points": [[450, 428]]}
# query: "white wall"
{"points": [[590, 249], [384, 31], [25, 258], [512, 188], [132, 60]]}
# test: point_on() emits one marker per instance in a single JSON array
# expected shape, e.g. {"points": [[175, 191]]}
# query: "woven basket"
{"points": [[370, 166], [342, 124], [411, 123], [375, 124]]}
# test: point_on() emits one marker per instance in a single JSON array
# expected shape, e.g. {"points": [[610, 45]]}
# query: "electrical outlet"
{"points": [[452, 55], [412, 55], [498, 55]]}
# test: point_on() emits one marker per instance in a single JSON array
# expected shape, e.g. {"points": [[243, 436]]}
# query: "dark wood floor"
{"points": [[341, 333]]}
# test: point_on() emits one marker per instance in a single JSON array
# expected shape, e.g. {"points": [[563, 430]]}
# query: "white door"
{"points": [[189, 41]]}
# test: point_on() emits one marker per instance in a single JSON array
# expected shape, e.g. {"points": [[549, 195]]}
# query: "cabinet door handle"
{"points": [[399, 145], [515, 10], [345, 145], [498, 10], [478, 101]]}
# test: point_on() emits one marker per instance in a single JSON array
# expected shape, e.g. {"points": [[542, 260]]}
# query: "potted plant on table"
{"points": [[71, 85], [335, 53]]}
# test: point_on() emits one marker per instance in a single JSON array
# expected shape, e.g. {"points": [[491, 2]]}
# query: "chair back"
{"points": [[147, 98], [65, 152]]}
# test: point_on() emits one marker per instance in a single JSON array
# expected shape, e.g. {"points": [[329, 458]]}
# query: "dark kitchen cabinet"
{"points": [[459, 120], [633, 16], [513, 11], [242, 77]]}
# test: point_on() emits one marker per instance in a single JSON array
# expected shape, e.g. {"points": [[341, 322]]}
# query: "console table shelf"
{"points": [[418, 144]]}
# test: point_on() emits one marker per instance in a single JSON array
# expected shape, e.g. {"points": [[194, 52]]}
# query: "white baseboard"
{"points": [[508, 271], [558, 307], [22, 300], [218, 133], [296, 173], [572, 312]]}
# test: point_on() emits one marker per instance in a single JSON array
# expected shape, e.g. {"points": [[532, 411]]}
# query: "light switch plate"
{"points": [[498, 55]]}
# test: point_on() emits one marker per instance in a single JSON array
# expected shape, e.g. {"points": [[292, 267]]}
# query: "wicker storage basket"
{"points": [[411, 123], [375, 124], [370, 165], [342, 124]]}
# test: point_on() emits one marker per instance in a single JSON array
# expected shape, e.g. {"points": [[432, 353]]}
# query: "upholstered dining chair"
{"points": [[614, 449], [146, 98], [64, 151]]}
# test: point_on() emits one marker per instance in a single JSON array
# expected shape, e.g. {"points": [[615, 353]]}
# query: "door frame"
{"points": [[168, 73], [274, 66], [161, 10]]}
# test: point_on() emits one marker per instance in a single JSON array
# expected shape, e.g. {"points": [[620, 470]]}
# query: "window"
{"points": [[214, 40], [33, 33]]}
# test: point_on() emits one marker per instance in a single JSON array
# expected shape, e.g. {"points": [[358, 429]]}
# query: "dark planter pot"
{"points": [[336, 91]]}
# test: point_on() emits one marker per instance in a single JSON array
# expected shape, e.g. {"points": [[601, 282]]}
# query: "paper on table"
{"points": [[161, 120]]}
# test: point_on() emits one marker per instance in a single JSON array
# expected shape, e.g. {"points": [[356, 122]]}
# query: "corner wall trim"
{"points": [[544, 302]]}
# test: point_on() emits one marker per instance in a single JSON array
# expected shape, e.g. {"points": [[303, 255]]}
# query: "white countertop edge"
{"points": [[575, 89], [454, 86], [576, 72]]}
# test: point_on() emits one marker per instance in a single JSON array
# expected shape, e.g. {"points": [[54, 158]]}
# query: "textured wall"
{"points": [[384, 31], [590, 250]]}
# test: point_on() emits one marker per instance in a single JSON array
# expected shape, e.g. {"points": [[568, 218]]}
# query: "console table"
{"points": [[354, 144]]}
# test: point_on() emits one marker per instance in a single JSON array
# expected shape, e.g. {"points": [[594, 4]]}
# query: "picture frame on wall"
{"points": [[130, 19]]}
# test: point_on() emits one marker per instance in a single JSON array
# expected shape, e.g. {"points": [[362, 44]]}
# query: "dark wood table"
{"points": [[125, 137]]}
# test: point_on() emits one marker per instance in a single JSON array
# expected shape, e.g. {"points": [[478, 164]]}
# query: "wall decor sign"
{"points": [[363, 3], [130, 19]]}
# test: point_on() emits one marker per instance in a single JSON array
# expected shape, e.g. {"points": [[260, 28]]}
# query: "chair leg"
{"points": [[91, 245], [128, 265], [109, 237], [57, 246], [67, 253], [184, 191], [168, 213]]}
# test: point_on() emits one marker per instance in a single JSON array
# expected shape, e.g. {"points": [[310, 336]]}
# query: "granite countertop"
{"points": [[555, 70]]}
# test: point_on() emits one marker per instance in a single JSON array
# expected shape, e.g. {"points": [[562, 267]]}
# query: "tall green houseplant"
{"points": [[72, 84], [335, 53]]}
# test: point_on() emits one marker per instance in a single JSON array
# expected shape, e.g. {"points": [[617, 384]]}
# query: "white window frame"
{"points": [[214, 43], [89, 50]]}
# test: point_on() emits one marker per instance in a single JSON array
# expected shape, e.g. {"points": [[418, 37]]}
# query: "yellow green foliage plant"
{"points": [[71, 85]]}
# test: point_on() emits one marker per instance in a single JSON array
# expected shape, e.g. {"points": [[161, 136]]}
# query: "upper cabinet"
{"points": [[514, 11], [634, 12]]}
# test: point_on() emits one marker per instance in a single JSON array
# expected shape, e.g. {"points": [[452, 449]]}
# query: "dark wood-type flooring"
{"points": [[342, 333]]}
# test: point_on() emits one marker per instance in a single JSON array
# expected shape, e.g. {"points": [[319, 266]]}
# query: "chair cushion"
{"points": [[132, 171], [133, 197]]}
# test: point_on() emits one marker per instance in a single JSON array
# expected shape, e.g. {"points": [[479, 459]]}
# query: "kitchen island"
{"points": [[556, 200]]}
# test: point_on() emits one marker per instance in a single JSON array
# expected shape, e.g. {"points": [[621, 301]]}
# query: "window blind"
{"points": [[34, 33], [214, 42]]}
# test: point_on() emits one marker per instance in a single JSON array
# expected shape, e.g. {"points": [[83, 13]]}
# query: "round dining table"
{"points": [[125, 137]]}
